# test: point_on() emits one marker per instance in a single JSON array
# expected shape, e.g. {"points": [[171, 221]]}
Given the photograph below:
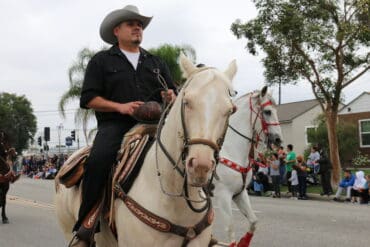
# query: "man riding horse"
{"points": [[117, 82]]}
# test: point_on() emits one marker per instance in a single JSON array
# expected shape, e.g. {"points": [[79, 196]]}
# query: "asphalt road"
{"points": [[282, 222]]}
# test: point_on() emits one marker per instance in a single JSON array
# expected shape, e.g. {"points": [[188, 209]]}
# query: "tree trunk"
{"points": [[331, 123]]}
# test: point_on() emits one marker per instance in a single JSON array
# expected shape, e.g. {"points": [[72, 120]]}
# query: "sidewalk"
{"points": [[314, 196], [310, 196]]}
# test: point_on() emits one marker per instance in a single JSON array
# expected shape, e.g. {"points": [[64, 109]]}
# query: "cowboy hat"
{"points": [[114, 18]]}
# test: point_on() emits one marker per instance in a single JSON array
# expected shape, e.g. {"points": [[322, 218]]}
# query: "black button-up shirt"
{"points": [[110, 75]]}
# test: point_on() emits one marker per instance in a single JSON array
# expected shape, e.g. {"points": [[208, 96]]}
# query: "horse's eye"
{"points": [[186, 103], [267, 112]]}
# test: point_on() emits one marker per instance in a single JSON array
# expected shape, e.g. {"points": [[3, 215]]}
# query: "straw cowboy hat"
{"points": [[129, 12]]}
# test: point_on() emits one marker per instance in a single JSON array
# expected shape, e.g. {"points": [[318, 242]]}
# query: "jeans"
{"points": [[288, 175], [325, 182], [340, 189], [302, 186], [282, 174], [276, 184]]}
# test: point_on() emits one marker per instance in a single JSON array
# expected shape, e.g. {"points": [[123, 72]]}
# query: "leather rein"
{"points": [[156, 222], [187, 142]]}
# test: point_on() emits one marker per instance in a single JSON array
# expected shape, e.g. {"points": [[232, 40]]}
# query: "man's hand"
{"points": [[129, 108], [168, 96]]}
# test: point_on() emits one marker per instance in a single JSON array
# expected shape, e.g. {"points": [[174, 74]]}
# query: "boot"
{"points": [[76, 242]]}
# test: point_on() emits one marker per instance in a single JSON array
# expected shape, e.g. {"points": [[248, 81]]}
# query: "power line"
{"points": [[55, 110]]}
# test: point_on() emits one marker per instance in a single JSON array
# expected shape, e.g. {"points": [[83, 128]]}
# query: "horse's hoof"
{"points": [[5, 221]]}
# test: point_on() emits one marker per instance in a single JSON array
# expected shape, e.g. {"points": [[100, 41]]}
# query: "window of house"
{"points": [[364, 126], [309, 133]]}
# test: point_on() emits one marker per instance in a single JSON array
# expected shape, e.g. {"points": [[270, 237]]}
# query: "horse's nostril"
{"points": [[193, 162]]}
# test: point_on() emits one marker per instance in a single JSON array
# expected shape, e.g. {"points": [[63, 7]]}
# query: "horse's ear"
{"points": [[231, 70], [187, 67], [263, 91]]}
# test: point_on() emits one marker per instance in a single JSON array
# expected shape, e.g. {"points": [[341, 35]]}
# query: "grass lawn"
{"points": [[365, 170], [317, 189]]}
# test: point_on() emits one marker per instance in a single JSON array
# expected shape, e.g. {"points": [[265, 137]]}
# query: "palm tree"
{"points": [[76, 74], [170, 54]]}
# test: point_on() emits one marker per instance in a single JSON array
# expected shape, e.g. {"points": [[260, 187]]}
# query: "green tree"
{"points": [[346, 134], [170, 54], [17, 120], [76, 74], [323, 42]]}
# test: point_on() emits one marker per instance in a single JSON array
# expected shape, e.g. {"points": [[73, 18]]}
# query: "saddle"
{"points": [[130, 157], [132, 145], [72, 170]]}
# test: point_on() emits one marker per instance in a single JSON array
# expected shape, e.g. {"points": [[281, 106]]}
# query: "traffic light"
{"points": [[39, 140], [73, 135], [47, 134]]}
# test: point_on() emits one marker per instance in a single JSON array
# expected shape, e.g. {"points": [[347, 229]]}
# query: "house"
{"points": [[296, 120], [358, 112]]}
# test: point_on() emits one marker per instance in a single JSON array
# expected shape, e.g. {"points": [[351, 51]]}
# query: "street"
{"points": [[282, 222]]}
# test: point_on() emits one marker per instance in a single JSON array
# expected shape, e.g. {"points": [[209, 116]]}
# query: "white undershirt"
{"points": [[133, 57]]}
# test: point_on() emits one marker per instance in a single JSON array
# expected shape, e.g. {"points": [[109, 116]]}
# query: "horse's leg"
{"points": [[4, 188], [244, 205], [224, 199]]}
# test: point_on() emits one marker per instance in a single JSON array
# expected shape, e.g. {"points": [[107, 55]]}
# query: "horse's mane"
{"points": [[256, 93]]}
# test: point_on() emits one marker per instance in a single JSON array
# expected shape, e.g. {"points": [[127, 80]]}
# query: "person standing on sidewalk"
{"points": [[274, 164], [290, 161], [294, 181], [325, 173], [302, 175], [282, 156]]}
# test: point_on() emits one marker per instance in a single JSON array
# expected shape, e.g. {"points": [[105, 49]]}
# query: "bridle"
{"points": [[187, 141], [256, 135]]}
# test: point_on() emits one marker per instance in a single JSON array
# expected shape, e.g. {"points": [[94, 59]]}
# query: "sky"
{"points": [[41, 39]]}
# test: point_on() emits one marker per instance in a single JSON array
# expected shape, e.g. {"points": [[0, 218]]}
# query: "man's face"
{"points": [[129, 32], [347, 174]]}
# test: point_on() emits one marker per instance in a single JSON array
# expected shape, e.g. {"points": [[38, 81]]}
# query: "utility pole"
{"points": [[59, 127], [280, 92]]}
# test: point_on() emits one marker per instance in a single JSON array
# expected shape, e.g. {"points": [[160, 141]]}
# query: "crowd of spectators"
{"points": [[281, 167], [42, 167]]}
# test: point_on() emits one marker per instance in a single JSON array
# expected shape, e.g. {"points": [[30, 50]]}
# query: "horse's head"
{"points": [[269, 119], [259, 109], [206, 106]]}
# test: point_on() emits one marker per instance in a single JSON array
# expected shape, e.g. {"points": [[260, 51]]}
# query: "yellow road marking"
{"points": [[29, 202]]}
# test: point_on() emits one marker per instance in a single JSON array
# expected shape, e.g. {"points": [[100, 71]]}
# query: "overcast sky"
{"points": [[40, 40]]}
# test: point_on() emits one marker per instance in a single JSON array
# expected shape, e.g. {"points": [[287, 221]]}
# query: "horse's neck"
{"points": [[147, 188], [236, 147]]}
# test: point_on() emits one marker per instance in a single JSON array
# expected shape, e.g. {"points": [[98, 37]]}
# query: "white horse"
{"points": [[252, 128], [178, 164]]}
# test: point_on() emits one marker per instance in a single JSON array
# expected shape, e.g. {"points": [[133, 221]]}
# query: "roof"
{"points": [[355, 99], [289, 111]]}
